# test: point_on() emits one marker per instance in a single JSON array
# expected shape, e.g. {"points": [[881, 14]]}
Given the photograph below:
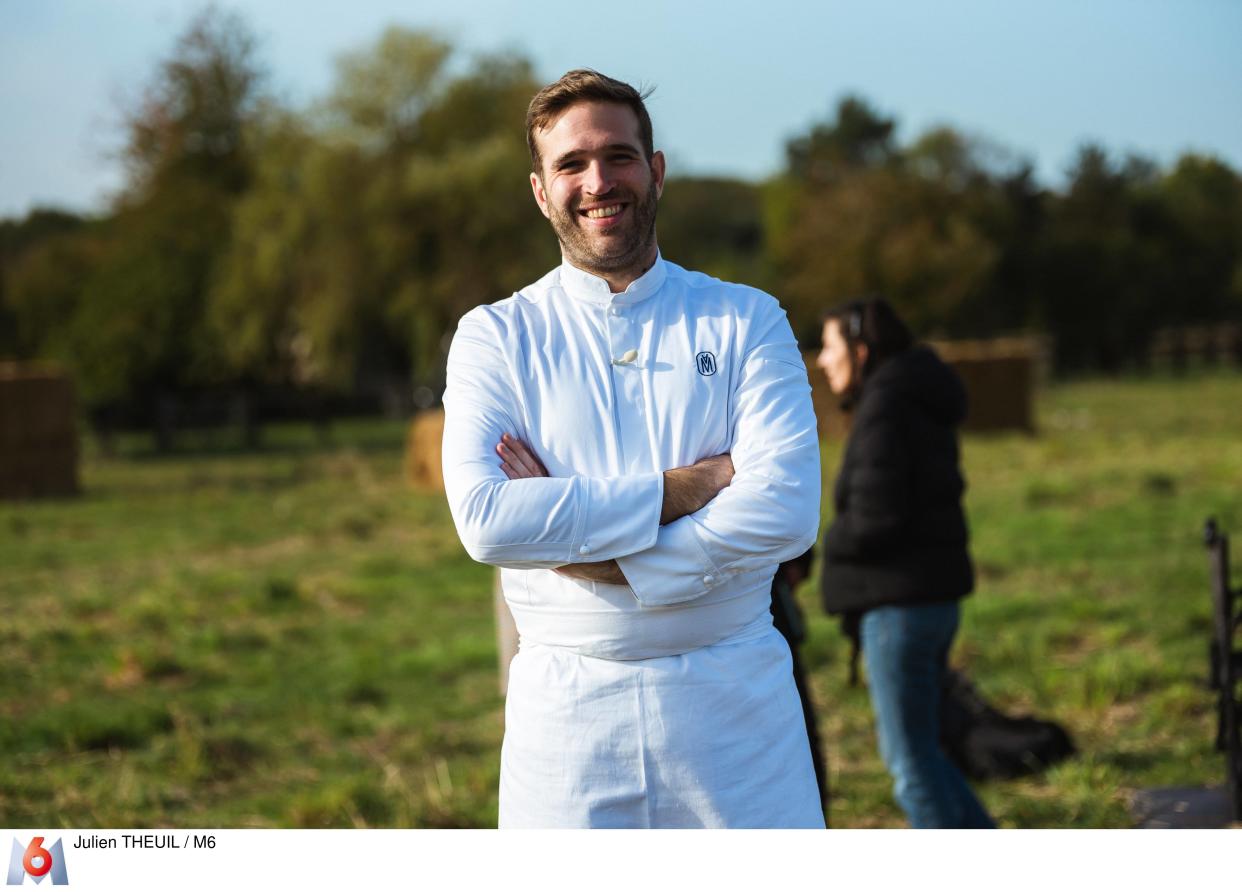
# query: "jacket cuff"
{"points": [[621, 516], [674, 570]]}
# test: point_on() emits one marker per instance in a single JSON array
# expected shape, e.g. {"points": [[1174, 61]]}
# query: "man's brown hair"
{"points": [[583, 85]]}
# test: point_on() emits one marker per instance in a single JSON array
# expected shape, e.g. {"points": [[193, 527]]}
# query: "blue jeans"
{"points": [[905, 650]]}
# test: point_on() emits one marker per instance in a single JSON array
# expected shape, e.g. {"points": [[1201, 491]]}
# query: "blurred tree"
{"points": [[854, 215], [857, 137], [715, 225], [139, 329], [271, 263], [43, 258], [994, 194], [375, 223], [382, 92], [456, 223], [1107, 273], [884, 232], [1204, 197], [191, 121]]}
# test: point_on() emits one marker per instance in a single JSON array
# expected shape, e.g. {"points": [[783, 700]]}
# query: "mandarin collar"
{"points": [[586, 286]]}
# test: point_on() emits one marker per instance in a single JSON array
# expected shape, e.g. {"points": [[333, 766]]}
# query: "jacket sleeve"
{"points": [[770, 510], [874, 492], [538, 522]]}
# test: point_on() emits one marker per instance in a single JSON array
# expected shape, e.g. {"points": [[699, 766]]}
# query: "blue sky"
{"points": [[733, 80]]}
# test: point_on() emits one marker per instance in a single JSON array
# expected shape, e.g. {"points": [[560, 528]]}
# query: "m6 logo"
{"points": [[37, 862]]}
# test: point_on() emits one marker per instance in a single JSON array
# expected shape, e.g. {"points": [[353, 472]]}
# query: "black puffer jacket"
{"points": [[899, 536]]}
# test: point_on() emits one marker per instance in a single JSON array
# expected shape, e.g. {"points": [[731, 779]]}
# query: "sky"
{"points": [[734, 80]]}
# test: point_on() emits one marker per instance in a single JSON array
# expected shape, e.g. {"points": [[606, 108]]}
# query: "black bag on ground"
{"points": [[986, 744]]}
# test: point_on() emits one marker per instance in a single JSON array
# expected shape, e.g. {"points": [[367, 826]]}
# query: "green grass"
{"points": [[294, 637], [289, 638]]}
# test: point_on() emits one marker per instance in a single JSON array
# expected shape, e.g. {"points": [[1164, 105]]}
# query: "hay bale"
{"points": [[422, 450], [1000, 376], [38, 432], [1000, 391]]}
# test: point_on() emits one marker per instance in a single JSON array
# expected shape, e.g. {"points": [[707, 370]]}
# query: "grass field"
{"points": [[295, 638]]}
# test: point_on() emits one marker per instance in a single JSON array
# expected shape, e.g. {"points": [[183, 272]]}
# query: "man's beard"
{"points": [[630, 251]]}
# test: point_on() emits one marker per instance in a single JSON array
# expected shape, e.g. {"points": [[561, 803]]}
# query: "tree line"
{"points": [[259, 248]]}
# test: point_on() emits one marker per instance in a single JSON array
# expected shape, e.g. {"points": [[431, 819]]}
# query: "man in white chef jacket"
{"points": [[634, 445]]}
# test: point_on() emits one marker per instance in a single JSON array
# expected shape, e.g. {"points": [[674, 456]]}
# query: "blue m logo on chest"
{"points": [[705, 362]]}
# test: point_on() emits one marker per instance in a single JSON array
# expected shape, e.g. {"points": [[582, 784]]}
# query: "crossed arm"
{"points": [[686, 490], [674, 535]]}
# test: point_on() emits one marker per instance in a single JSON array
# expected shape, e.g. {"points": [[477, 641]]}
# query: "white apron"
{"points": [[710, 738]]}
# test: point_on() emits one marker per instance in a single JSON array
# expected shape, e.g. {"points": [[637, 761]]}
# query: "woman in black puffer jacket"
{"points": [[895, 557]]}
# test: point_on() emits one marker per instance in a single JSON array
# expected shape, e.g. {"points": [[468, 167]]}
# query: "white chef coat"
{"points": [[610, 390]]}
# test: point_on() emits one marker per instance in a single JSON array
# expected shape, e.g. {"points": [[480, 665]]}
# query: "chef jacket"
{"points": [[610, 390]]}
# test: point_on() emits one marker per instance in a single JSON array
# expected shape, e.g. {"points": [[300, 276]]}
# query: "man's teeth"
{"points": [[597, 213]]}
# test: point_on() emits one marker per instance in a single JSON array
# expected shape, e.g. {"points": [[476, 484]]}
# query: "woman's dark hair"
{"points": [[871, 321]]}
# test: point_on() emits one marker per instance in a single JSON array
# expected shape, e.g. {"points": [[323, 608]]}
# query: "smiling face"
{"points": [[597, 187]]}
